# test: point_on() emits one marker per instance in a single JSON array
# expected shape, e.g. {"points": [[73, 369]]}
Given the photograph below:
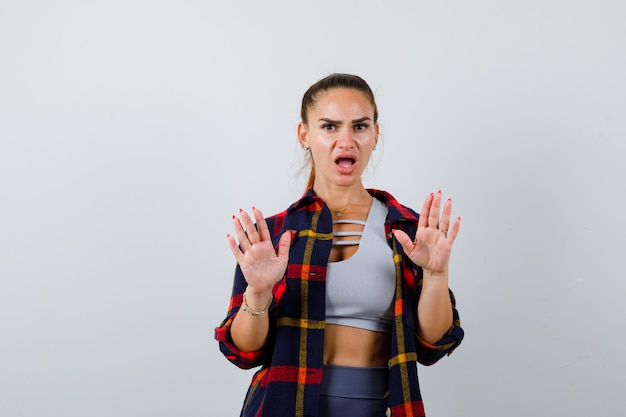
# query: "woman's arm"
{"points": [[249, 329], [434, 308], [431, 250], [262, 267]]}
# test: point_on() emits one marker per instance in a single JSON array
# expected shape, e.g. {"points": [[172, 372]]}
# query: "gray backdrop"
{"points": [[131, 130]]}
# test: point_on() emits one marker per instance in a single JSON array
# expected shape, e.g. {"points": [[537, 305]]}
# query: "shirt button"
{"points": [[388, 412]]}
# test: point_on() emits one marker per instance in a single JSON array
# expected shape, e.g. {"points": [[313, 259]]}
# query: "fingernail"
{"points": [[439, 192], [253, 208]]}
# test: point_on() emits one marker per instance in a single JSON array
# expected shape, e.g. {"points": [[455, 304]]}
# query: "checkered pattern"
{"points": [[288, 383]]}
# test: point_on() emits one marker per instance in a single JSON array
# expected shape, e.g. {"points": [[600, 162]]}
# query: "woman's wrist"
{"points": [[257, 300], [435, 276], [254, 313]]}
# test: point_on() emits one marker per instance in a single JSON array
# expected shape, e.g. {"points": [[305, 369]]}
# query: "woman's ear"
{"points": [[303, 136], [377, 134]]}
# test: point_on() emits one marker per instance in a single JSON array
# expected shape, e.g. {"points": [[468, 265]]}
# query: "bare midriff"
{"points": [[351, 346]]}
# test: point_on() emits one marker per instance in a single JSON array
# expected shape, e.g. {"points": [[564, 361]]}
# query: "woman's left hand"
{"points": [[434, 237]]}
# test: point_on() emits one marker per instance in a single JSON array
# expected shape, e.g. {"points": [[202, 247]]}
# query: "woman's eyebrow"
{"points": [[324, 119], [360, 120], [338, 122]]}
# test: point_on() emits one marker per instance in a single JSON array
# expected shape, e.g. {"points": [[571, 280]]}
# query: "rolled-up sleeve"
{"points": [[244, 360], [430, 353]]}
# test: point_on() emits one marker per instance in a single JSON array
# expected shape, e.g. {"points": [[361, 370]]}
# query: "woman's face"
{"points": [[341, 134]]}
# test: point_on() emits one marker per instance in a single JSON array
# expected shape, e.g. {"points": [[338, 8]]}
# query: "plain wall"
{"points": [[131, 131]]}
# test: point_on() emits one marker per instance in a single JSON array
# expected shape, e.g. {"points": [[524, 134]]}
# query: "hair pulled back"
{"points": [[333, 81]]}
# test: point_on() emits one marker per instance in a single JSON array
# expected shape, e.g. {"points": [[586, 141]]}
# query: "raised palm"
{"points": [[261, 264], [434, 238]]}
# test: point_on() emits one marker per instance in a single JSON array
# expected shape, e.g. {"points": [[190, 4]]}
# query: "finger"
{"points": [[251, 232], [264, 231], [444, 223], [244, 242], [283, 245], [405, 240], [234, 248], [454, 230], [433, 215], [423, 219]]}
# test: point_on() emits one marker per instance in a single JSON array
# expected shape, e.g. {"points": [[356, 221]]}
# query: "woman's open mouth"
{"points": [[346, 164]]}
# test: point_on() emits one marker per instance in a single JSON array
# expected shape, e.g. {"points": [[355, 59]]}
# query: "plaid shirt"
{"points": [[288, 383]]}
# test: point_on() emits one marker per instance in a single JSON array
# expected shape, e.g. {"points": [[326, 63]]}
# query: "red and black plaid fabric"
{"points": [[288, 383]]}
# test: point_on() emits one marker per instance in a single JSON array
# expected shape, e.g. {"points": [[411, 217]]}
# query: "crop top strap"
{"points": [[348, 221], [348, 233]]}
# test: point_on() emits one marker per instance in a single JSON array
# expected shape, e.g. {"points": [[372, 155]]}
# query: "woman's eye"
{"points": [[360, 127], [328, 126]]}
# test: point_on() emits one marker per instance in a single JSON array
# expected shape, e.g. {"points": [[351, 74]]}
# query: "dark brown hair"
{"points": [[351, 82]]}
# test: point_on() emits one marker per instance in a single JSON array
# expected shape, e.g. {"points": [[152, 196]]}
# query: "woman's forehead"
{"points": [[343, 101]]}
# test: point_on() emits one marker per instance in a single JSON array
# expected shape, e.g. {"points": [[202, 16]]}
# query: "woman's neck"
{"points": [[341, 198]]}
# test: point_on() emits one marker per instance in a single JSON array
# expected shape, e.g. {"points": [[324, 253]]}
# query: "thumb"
{"points": [[284, 244], [404, 239]]}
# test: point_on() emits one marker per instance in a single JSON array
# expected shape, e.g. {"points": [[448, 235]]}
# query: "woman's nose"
{"points": [[345, 140]]}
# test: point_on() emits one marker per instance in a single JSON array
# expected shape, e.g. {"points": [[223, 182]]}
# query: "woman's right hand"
{"points": [[261, 264]]}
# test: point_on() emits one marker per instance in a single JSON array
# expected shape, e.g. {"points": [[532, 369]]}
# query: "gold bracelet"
{"points": [[254, 314]]}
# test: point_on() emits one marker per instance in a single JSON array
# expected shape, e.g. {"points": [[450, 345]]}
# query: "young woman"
{"points": [[339, 296]]}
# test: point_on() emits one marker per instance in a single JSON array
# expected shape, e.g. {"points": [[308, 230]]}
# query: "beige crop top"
{"points": [[360, 289]]}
